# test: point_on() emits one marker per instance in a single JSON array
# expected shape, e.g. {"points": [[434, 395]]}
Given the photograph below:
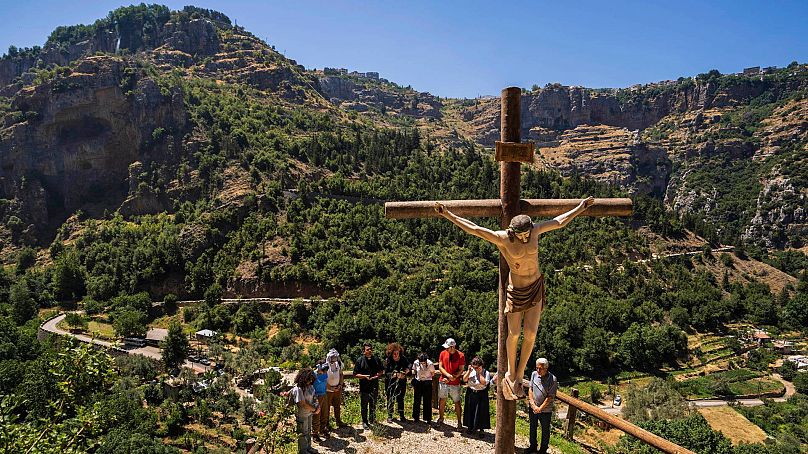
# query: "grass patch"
{"points": [[733, 425], [101, 330], [727, 383]]}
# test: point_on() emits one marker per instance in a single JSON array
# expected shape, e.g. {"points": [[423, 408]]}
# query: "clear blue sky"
{"points": [[470, 48]]}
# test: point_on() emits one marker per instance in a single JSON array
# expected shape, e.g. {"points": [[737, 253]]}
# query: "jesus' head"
{"points": [[520, 227]]}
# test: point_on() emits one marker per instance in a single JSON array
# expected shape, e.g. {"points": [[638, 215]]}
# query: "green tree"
{"points": [[91, 306], [801, 382], [63, 384], [23, 306], [124, 441], [788, 370], [247, 318], [795, 311], [680, 317], [26, 258], [213, 294], [658, 400], [68, 277], [76, 321], [175, 347], [692, 432], [145, 369], [129, 322]]}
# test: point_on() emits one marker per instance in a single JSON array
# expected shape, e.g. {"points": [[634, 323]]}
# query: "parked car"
{"points": [[617, 400], [205, 361]]}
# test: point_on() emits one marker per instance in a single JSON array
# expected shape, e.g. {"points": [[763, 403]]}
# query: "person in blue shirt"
{"points": [[320, 381]]}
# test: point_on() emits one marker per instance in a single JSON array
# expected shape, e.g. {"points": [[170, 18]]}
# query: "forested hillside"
{"points": [[176, 155]]}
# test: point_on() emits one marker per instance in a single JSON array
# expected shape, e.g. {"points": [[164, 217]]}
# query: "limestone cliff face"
{"points": [[361, 95], [198, 37], [612, 155], [777, 217], [76, 147], [561, 107], [11, 68]]}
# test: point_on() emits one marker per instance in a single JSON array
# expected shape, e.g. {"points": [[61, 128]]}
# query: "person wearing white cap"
{"points": [[334, 387], [543, 388], [451, 363]]}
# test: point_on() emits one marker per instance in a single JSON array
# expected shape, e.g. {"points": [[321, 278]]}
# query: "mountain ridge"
{"points": [[647, 139]]}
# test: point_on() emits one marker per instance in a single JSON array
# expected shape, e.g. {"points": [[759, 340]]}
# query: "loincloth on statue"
{"points": [[524, 298]]}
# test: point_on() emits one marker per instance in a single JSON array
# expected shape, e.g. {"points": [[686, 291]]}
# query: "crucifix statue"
{"points": [[518, 263], [524, 296]]}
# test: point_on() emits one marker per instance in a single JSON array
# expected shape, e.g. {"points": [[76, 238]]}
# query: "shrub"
{"points": [[92, 307], [189, 314], [129, 322], [788, 370], [138, 366], [76, 321], [26, 258], [801, 382]]}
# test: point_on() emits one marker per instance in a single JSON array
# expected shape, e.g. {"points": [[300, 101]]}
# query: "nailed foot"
{"points": [[508, 389]]}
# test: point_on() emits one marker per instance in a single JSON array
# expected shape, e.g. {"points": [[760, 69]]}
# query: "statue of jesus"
{"points": [[524, 302]]}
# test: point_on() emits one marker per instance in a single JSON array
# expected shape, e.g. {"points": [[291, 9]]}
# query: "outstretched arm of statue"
{"points": [[468, 226], [563, 219]]}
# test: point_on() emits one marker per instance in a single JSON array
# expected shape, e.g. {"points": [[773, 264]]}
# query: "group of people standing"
{"points": [[396, 369], [318, 391]]}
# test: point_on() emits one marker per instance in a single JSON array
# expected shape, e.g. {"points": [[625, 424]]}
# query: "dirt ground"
{"points": [[408, 437]]}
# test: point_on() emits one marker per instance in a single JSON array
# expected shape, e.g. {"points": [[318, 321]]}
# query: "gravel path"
{"points": [[408, 437]]}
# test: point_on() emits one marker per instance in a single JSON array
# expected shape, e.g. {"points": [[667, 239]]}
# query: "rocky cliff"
{"points": [[87, 126], [79, 137], [361, 94]]}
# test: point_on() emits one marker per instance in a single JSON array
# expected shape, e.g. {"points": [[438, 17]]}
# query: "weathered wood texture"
{"points": [[569, 426], [627, 427], [493, 207], [514, 152], [509, 206]]}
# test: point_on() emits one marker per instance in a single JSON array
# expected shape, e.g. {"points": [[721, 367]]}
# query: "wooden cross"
{"points": [[510, 152]]}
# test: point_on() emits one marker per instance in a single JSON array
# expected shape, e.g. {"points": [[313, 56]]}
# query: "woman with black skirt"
{"points": [[476, 414]]}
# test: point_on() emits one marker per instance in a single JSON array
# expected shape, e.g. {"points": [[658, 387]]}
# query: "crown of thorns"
{"points": [[521, 223]]}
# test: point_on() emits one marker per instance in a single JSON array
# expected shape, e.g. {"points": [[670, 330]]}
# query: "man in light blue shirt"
{"points": [[543, 388]]}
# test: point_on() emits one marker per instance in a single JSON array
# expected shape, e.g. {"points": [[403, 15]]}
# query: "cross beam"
{"points": [[493, 208], [506, 207]]}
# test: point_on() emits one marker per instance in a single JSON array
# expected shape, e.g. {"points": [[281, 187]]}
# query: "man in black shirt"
{"points": [[396, 368], [368, 369]]}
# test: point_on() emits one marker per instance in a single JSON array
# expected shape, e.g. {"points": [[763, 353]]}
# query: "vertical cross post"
{"points": [[509, 188], [571, 413]]}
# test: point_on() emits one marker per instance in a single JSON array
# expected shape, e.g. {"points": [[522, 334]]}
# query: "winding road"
{"points": [[705, 403], [51, 326]]}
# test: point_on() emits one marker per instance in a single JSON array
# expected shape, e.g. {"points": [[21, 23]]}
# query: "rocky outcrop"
{"points": [[359, 95], [81, 136], [339, 89], [560, 107], [197, 37], [13, 67], [612, 155], [781, 214]]}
